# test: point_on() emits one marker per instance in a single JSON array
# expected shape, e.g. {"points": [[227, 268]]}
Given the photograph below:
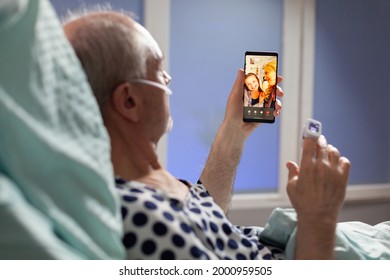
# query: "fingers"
{"points": [[278, 105], [334, 155], [336, 161], [239, 83], [279, 91], [319, 151], [293, 169], [240, 77], [238, 86], [345, 166], [322, 148], [293, 174], [309, 151]]}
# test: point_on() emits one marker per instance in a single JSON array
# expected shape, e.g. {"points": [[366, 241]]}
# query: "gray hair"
{"points": [[109, 49]]}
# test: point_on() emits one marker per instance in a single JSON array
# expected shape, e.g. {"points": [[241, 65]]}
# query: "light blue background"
{"points": [[351, 86], [208, 42], [352, 74]]}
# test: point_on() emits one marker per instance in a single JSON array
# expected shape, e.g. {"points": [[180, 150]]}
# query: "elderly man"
{"points": [[166, 218]]}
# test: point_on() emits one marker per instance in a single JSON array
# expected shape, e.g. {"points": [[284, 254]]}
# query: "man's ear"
{"points": [[126, 102]]}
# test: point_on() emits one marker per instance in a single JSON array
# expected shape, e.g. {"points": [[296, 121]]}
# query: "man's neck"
{"points": [[133, 159], [140, 163]]}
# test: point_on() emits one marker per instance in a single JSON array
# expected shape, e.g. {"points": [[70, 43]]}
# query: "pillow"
{"points": [[56, 179]]}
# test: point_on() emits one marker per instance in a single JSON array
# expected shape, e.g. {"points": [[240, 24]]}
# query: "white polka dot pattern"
{"points": [[158, 226]]}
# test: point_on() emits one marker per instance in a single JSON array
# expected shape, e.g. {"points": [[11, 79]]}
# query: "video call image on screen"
{"points": [[260, 86]]}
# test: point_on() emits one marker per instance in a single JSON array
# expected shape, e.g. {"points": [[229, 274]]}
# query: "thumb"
{"points": [[238, 84], [293, 169]]}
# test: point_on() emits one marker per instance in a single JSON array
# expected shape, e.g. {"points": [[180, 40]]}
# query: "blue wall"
{"points": [[352, 74], [208, 42]]}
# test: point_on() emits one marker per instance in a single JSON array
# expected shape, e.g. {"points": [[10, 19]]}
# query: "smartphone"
{"points": [[261, 72]]}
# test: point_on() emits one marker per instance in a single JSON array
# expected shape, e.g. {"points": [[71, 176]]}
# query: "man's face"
{"points": [[156, 113]]}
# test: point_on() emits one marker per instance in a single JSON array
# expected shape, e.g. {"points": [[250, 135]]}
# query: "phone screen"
{"points": [[260, 86]]}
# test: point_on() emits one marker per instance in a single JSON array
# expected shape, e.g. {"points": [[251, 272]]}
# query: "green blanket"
{"points": [[354, 240]]}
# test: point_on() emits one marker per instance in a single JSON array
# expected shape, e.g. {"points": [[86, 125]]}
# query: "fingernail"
{"points": [[322, 141]]}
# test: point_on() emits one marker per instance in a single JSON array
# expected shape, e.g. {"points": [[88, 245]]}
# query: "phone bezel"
{"points": [[260, 53]]}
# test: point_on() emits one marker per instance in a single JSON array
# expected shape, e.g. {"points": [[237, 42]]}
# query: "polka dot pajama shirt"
{"points": [[158, 226]]}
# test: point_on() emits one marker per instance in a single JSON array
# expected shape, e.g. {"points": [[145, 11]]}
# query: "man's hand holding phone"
{"points": [[229, 143], [235, 103]]}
